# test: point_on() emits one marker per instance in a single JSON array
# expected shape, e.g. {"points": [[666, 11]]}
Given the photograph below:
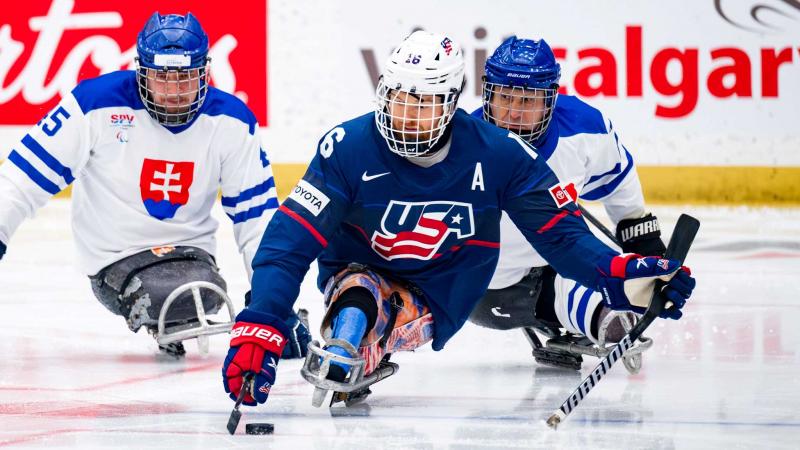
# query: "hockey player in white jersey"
{"points": [[149, 150], [520, 93]]}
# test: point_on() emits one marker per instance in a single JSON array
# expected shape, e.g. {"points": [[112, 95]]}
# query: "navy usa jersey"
{"points": [[436, 227]]}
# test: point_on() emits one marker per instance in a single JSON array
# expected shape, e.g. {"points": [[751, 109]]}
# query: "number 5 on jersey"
{"points": [[52, 129]]}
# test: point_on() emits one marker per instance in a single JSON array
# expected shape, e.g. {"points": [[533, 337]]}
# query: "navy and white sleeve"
{"points": [[248, 188], [544, 211], [612, 179], [298, 232], [44, 162]]}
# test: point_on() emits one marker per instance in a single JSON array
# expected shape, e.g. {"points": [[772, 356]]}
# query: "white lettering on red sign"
{"points": [[103, 52]]}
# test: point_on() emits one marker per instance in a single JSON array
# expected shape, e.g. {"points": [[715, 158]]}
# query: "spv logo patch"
{"points": [[418, 230]]}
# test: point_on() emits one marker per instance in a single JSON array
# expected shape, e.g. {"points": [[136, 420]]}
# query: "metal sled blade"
{"points": [[317, 365], [200, 329]]}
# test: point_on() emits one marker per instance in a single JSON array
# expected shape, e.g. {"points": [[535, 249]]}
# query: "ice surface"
{"points": [[725, 376]]}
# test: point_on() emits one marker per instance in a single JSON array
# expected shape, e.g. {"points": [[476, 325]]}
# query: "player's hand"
{"points": [[641, 236], [298, 337], [632, 278], [257, 340], [2, 249]]}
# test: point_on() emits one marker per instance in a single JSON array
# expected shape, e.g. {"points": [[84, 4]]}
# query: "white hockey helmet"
{"points": [[418, 91]]}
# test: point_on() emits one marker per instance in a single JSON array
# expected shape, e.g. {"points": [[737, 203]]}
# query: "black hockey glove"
{"points": [[641, 236], [2, 249]]}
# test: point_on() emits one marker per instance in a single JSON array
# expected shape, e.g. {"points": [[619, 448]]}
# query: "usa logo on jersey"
{"points": [[417, 230], [165, 186]]}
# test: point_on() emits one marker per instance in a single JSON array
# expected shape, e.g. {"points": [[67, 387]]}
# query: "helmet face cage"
{"points": [[172, 96], [412, 122], [524, 111], [418, 91]]}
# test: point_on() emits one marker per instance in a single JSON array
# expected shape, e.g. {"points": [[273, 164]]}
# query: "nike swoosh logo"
{"points": [[366, 177], [496, 312]]}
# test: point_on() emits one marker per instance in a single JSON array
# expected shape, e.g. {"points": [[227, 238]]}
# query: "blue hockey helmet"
{"points": [[172, 67], [520, 87]]}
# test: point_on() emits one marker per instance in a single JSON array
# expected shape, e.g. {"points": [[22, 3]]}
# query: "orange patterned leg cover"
{"points": [[413, 326]]}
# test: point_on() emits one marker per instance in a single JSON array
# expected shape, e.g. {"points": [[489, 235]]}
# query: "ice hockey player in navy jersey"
{"points": [[520, 93], [401, 208], [149, 150]]}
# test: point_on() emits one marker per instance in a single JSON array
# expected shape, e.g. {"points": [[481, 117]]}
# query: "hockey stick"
{"points": [[236, 415], [682, 237], [593, 220]]}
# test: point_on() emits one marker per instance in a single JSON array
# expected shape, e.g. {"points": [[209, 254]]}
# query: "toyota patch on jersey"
{"points": [[563, 195]]}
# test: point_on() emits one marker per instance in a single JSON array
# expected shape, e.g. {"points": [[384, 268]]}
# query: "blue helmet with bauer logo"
{"points": [[520, 86], [172, 67]]}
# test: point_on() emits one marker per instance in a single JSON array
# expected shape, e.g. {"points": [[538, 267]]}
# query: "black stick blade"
{"points": [[233, 421], [236, 415]]}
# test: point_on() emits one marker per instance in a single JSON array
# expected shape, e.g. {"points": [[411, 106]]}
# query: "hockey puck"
{"points": [[259, 428]]}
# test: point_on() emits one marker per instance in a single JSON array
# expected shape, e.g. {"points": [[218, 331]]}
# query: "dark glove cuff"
{"points": [[634, 230]]}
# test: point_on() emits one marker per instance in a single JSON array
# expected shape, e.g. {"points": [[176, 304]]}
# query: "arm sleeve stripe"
{"points": [[247, 194], [582, 304], [48, 159], [602, 191], [482, 243], [33, 174], [299, 219], [552, 222], [572, 302], [254, 212], [557, 218], [617, 168]]}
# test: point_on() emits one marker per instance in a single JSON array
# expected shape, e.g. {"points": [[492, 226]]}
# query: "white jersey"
{"points": [[140, 185], [582, 148]]}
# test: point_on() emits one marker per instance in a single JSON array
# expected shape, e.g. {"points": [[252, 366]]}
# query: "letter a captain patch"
{"points": [[477, 178]]}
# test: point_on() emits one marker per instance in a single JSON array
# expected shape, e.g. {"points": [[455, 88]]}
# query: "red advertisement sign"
{"points": [[48, 46]]}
